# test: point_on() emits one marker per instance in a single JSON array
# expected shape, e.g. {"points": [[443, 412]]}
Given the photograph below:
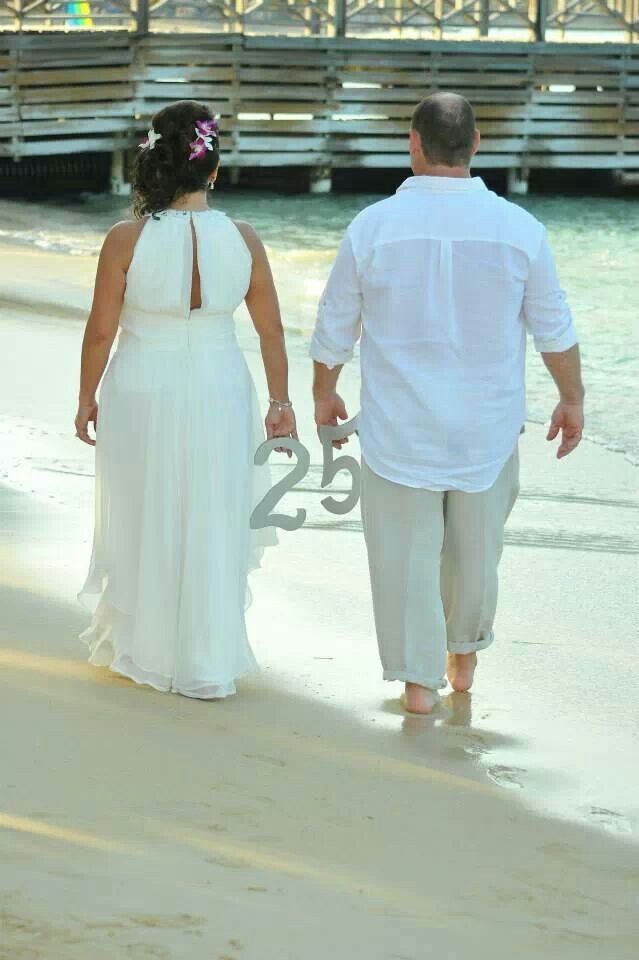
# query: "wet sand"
{"points": [[308, 816]]}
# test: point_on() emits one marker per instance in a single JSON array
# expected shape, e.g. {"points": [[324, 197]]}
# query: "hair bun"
{"points": [[164, 173]]}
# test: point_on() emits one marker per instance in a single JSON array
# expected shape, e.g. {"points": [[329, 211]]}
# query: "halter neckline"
{"points": [[183, 213]]}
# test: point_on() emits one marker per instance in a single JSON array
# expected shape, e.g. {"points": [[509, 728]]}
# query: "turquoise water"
{"points": [[596, 243]]}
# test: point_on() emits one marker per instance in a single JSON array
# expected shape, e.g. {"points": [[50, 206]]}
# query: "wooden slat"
{"points": [[400, 128], [390, 160], [270, 159], [400, 145], [595, 97], [183, 91], [45, 111], [49, 78], [584, 161], [107, 144], [582, 144], [276, 75], [283, 59], [281, 106], [73, 58], [149, 73], [287, 143], [60, 129]]}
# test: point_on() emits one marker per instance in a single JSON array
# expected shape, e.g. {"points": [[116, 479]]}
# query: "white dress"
{"points": [[178, 427]]}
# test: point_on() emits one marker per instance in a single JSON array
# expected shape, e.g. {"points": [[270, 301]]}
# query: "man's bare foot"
{"points": [[419, 699], [461, 670]]}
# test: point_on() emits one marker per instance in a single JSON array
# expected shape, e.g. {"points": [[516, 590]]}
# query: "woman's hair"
{"points": [[162, 171]]}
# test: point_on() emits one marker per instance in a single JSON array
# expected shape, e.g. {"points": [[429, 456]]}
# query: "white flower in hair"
{"points": [[150, 140]]}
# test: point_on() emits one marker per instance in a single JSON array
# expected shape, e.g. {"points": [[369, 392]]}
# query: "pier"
{"points": [[317, 102]]}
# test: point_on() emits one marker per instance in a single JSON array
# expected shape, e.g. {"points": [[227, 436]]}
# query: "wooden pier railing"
{"points": [[320, 102], [616, 20]]}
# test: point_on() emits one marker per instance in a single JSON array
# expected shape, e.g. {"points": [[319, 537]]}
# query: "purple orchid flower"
{"points": [[199, 148], [206, 131], [207, 128]]}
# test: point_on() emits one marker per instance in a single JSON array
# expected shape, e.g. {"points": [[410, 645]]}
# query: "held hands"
{"points": [[87, 413], [280, 423], [569, 418], [327, 411]]}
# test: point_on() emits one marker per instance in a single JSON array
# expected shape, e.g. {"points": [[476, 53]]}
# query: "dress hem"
{"points": [[102, 653]]}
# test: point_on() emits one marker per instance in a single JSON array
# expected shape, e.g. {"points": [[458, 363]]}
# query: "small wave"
{"points": [[53, 242]]}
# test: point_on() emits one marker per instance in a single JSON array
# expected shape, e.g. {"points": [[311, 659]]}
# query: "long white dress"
{"points": [[178, 427]]}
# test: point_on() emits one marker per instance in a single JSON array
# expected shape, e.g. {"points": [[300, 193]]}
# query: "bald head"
{"points": [[445, 123]]}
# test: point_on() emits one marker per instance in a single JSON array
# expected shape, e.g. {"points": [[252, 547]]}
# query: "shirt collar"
{"points": [[443, 184]]}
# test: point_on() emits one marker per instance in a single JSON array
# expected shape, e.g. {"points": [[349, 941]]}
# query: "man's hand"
{"points": [[327, 411], [569, 418]]}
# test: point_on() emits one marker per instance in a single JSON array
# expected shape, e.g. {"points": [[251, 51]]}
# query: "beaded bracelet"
{"points": [[280, 404]]}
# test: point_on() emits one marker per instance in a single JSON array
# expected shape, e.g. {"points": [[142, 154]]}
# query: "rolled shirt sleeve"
{"points": [[339, 321], [546, 312]]}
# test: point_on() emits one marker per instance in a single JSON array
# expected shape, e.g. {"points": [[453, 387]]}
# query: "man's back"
{"points": [[444, 277]]}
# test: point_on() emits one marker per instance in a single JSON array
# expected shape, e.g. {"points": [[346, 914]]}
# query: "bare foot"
{"points": [[461, 670], [419, 699]]}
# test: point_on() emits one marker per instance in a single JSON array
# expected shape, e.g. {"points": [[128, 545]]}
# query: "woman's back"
{"points": [[185, 262]]}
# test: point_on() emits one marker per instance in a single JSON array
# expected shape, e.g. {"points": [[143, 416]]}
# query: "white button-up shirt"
{"points": [[442, 281]]}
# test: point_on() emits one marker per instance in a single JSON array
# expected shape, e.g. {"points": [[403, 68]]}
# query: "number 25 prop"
{"points": [[262, 515]]}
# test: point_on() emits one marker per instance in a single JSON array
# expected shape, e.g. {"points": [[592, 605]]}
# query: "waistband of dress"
{"points": [[175, 334]]}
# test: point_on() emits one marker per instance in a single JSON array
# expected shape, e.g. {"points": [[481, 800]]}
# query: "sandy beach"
{"points": [[308, 817]]}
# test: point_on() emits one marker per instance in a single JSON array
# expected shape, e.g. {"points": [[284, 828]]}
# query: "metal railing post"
{"points": [[142, 17], [541, 19], [484, 18], [340, 18]]}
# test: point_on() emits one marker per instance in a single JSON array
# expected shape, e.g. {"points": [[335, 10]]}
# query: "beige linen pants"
{"points": [[433, 559]]}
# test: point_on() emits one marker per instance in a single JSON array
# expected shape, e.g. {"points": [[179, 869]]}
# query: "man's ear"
{"points": [[476, 141], [416, 151]]}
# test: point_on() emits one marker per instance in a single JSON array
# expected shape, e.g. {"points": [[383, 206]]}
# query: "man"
{"points": [[442, 281]]}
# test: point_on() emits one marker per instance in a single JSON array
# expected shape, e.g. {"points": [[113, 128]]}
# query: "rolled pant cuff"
{"points": [[468, 646], [406, 677]]}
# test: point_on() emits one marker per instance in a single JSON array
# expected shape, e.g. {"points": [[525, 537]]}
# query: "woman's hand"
{"points": [[280, 423], [87, 413]]}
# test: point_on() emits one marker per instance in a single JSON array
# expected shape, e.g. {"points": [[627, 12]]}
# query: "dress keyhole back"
{"points": [[195, 301]]}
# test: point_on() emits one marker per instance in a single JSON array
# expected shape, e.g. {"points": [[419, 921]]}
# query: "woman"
{"points": [[179, 422]]}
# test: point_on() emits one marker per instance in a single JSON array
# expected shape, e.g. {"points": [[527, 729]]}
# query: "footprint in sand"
{"points": [[144, 951], [506, 776], [609, 819], [180, 921], [21, 953], [274, 761], [227, 862]]}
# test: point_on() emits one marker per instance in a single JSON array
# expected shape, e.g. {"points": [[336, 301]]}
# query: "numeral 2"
{"points": [[262, 516]]}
